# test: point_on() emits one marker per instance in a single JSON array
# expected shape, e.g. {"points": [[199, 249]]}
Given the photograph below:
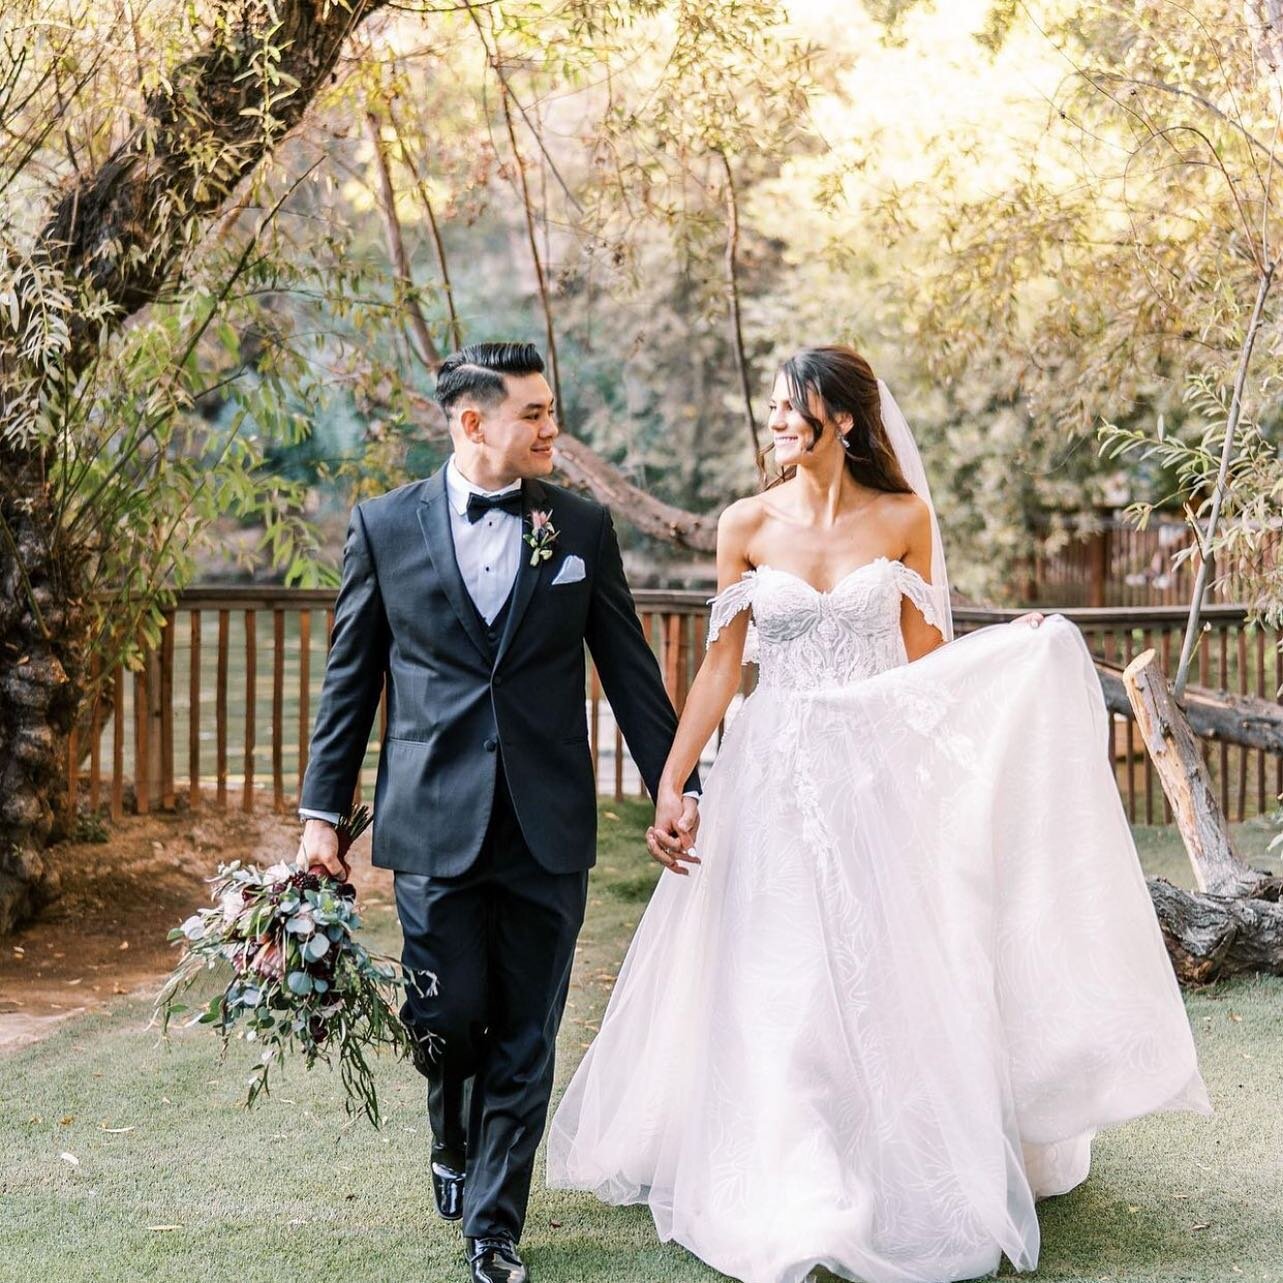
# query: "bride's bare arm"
{"points": [[719, 675]]}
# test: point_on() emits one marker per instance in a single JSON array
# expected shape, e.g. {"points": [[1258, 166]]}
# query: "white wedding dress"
{"points": [[916, 970]]}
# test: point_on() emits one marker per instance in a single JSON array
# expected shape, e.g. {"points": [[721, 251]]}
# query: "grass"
{"points": [[197, 1189]]}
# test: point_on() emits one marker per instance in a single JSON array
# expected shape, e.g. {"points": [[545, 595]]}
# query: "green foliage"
{"points": [[1110, 279], [1019, 275]]}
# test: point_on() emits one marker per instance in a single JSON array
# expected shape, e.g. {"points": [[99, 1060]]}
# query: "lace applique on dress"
{"points": [[801, 637], [926, 597], [726, 605]]}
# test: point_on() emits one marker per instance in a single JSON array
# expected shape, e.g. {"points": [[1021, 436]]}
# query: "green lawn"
{"points": [[294, 1192]]}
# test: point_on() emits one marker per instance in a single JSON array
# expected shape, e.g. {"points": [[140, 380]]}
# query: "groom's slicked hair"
{"points": [[478, 370]]}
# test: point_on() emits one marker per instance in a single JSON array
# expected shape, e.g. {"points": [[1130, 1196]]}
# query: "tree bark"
{"points": [[1212, 937], [1246, 720], [1233, 923], [1178, 759], [115, 232]]}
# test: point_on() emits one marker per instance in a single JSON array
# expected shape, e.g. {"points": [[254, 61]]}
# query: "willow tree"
{"points": [[1108, 274], [126, 132]]}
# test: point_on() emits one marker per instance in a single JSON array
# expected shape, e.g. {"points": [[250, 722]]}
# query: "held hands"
{"points": [[1033, 618], [320, 845], [671, 839]]}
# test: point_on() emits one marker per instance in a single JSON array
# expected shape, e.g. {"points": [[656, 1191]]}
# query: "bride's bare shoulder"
{"points": [[909, 518], [741, 518], [736, 529], [908, 511]]}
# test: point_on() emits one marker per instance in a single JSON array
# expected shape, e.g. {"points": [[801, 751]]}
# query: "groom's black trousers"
{"points": [[500, 939]]}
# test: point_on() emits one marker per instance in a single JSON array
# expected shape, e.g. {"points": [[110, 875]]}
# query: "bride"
{"points": [[913, 967]]}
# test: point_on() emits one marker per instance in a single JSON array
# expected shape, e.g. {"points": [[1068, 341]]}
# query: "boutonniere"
{"points": [[541, 536]]}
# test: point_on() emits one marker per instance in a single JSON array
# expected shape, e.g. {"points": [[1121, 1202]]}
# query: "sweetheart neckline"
{"points": [[825, 592]]}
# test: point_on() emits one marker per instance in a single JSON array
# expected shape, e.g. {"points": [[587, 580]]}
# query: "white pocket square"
{"points": [[571, 572]]}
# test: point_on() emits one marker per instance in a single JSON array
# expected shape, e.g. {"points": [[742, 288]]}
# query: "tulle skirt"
{"points": [[917, 969]]}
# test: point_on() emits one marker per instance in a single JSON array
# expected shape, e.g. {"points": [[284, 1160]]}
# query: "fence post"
{"points": [[1099, 567], [155, 730]]}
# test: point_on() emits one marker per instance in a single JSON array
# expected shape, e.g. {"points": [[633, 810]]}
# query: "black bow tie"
{"points": [[480, 504]]}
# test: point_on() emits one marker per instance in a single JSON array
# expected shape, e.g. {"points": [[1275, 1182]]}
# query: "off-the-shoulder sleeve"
{"points": [[725, 606], [929, 599]]}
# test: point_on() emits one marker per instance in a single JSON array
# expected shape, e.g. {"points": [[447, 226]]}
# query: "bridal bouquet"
{"points": [[300, 980]]}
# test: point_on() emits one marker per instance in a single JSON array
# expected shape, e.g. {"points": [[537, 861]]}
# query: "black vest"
{"points": [[493, 631]]}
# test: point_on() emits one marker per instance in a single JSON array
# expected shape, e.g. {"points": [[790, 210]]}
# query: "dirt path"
{"points": [[104, 936]]}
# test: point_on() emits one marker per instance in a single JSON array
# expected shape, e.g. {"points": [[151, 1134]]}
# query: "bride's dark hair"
{"points": [[845, 383]]}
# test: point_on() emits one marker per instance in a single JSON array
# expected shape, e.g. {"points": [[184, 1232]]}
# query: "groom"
{"points": [[471, 594]]}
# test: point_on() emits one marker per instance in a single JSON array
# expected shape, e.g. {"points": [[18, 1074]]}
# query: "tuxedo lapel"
{"points": [[533, 496], [434, 520]]}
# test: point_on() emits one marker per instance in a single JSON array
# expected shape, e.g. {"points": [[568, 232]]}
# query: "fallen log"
{"points": [[1233, 923], [1178, 759], [1212, 937], [1246, 720]]}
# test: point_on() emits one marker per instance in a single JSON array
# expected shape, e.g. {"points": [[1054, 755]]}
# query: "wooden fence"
{"points": [[221, 713], [1118, 565]]}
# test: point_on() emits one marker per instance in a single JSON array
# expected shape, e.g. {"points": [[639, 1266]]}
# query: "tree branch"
{"points": [[115, 229], [733, 289], [520, 164], [581, 466], [421, 187], [1218, 495], [421, 337]]}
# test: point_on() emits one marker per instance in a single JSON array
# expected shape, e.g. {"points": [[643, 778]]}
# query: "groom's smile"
{"points": [[501, 440]]}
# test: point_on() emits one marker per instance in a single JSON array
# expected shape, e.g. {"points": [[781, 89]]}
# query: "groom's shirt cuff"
{"points": [[695, 793], [330, 817]]}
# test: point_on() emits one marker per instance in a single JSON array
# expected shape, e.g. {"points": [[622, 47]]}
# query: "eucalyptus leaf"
{"points": [[299, 982]]}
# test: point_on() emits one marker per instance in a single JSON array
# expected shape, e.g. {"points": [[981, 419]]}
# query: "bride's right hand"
{"points": [[666, 840], [1033, 618]]}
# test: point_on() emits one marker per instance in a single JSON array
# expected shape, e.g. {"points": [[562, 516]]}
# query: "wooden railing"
{"points": [[221, 712], [1118, 565]]}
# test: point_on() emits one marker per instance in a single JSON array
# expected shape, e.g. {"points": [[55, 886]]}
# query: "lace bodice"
{"points": [[802, 638]]}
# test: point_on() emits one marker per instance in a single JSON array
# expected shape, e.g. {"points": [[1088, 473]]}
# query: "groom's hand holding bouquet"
{"points": [[321, 847], [300, 980]]}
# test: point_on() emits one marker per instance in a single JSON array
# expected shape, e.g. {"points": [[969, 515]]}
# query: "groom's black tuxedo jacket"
{"points": [[459, 703]]}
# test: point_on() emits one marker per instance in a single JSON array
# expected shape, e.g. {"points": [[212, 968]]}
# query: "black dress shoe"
{"points": [[447, 1189], [494, 1259]]}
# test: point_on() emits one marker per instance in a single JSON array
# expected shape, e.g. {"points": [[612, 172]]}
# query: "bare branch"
{"points": [[528, 208], [583, 467], [421, 188], [733, 290], [421, 336]]}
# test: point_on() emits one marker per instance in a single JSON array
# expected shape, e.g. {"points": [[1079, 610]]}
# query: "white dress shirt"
{"points": [[489, 550]]}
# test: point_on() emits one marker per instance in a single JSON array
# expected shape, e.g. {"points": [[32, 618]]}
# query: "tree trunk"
{"points": [[115, 232], [1214, 937], [1178, 759], [1246, 720], [42, 628], [1233, 923]]}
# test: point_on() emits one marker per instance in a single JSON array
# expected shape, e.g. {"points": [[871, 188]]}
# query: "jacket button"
{"points": [[491, 745], [496, 679]]}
